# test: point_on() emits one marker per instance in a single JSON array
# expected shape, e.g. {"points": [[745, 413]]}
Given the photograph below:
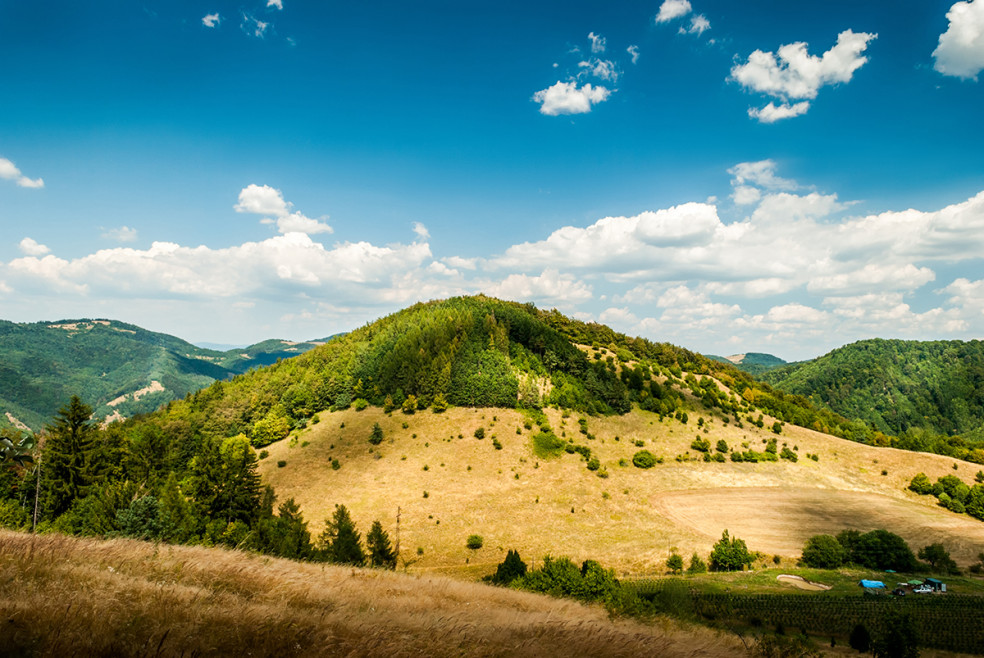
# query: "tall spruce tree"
{"points": [[341, 542], [380, 551], [66, 469]]}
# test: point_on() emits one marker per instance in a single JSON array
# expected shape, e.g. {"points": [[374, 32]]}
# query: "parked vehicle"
{"points": [[923, 589], [898, 591]]}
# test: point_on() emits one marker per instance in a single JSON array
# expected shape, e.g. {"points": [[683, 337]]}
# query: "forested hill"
{"points": [[118, 368], [754, 363], [897, 386], [478, 351]]}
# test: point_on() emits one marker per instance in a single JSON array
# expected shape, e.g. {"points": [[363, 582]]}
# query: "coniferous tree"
{"points": [[177, 519], [65, 471], [291, 537], [380, 551], [225, 484], [341, 542], [510, 569]]}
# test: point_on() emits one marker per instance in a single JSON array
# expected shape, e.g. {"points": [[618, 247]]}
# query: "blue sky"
{"points": [[765, 176]]}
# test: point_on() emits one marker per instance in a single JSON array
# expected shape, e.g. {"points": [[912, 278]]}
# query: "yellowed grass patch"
{"points": [[64, 596], [629, 521]]}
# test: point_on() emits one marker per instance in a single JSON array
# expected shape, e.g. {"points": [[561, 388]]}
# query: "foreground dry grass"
{"points": [[62, 596]]}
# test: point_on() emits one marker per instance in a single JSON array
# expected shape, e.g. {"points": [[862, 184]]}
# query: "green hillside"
{"points": [[904, 388], [118, 368], [483, 352], [754, 363]]}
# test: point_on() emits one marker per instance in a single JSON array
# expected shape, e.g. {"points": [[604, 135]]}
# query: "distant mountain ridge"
{"points": [[118, 368], [754, 363]]}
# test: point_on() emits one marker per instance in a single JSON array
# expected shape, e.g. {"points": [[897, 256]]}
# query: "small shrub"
{"points": [[644, 459], [281, 463], [480, 433], [335, 464], [426, 494], [264, 454], [474, 542], [594, 464], [496, 444], [359, 405]]}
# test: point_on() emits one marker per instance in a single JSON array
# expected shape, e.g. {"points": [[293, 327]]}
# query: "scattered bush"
{"points": [[644, 459], [376, 437], [281, 463], [547, 445], [474, 542], [480, 433]]}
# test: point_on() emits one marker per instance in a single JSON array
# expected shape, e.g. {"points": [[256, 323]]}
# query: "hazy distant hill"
{"points": [[896, 385], [754, 363], [119, 369]]}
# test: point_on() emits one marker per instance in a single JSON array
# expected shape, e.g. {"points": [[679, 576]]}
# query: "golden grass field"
{"points": [[630, 521], [65, 596]]}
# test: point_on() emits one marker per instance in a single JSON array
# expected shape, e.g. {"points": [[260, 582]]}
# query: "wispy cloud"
{"points": [[8, 171]]}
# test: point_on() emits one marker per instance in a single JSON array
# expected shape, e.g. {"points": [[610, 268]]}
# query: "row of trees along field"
{"points": [[131, 480]]}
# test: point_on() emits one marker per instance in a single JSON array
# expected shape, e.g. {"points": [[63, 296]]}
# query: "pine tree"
{"points": [[341, 542], [65, 469], [380, 551], [225, 484], [292, 537]]}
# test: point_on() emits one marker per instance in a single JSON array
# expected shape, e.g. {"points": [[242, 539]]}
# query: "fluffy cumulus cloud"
{"points": [[569, 98], [698, 25], [960, 52], [673, 9], [265, 200], [791, 73], [9, 171], [633, 53], [549, 287], [211, 20], [32, 247], [278, 4], [788, 272]]}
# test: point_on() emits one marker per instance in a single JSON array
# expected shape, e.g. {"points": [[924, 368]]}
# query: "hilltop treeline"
{"points": [[478, 351]]}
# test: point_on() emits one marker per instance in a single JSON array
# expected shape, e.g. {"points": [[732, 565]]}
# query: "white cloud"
{"points": [[421, 231], [254, 26], [286, 264], [604, 69], [31, 247], [121, 234], [279, 4], [772, 112], [265, 200], [598, 43], [550, 287], [568, 98], [761, 173], [633, 52], [211, 20], [9, 171], [671, 9], [698, 25], [461, 263], [960, 52], [745, 195], [793, 73]]}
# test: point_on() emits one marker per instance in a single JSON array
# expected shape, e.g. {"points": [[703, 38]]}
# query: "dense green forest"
{"points": [[928, 395], [754, 363], [43, 364]]}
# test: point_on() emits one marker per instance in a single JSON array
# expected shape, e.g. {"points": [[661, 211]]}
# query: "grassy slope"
{"points": [[68, 596], [773, 506], [43, 364]]}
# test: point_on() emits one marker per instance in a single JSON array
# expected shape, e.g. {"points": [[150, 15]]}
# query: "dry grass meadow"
{"points": [[64, 596], [450, 485]]}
